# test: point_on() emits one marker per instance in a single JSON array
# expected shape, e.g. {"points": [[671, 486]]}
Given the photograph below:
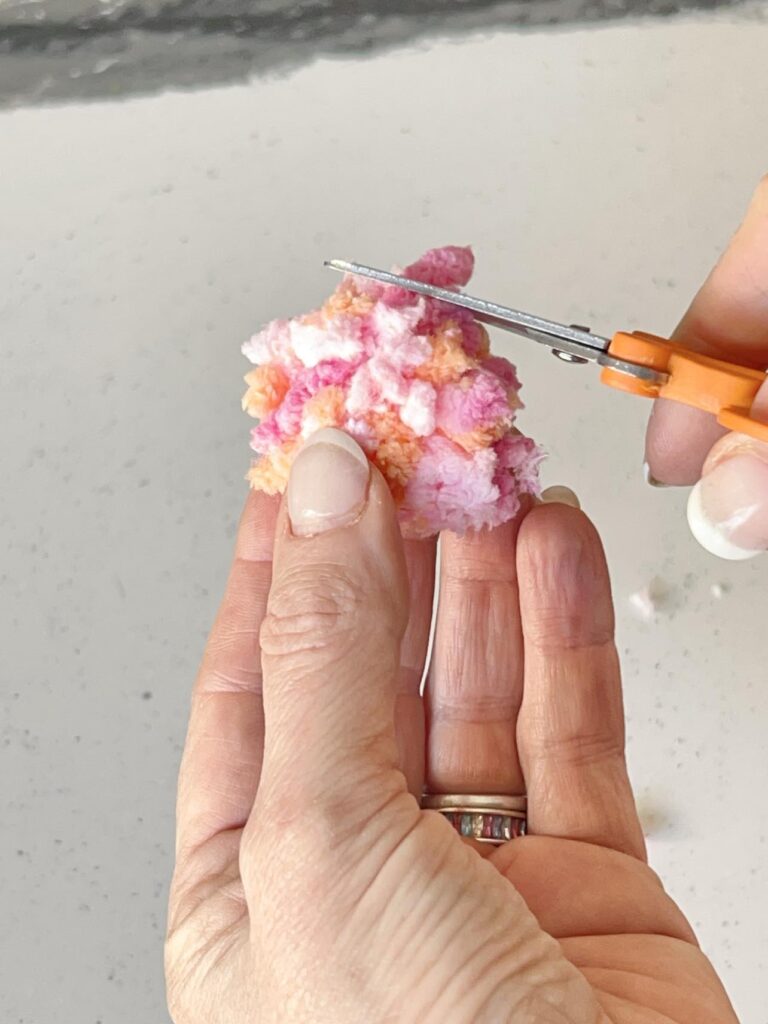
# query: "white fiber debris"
{"points": [[649, 600]]}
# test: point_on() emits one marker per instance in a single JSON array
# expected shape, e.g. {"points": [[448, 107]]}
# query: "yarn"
{"points": [[412, 380]]}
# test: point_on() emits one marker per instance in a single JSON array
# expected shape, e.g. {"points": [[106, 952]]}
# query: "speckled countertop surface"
{"points": [[147, 237]]}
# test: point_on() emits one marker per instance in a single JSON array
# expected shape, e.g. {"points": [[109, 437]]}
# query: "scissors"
{"points": [[632, 361]]}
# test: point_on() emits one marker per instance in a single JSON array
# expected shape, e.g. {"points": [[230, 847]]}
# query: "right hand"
{"points": [[728, 319]]}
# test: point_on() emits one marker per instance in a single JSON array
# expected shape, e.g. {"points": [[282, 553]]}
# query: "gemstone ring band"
{"points": [[487, 819]]}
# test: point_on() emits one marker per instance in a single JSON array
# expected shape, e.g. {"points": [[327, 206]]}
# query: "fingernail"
{"points": [[328, 483], [728, 508], [650, 479], [561, 496]]}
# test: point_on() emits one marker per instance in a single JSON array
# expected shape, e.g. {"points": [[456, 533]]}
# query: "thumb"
{"points": [[330, 642], [728, 319], [728, 507]]}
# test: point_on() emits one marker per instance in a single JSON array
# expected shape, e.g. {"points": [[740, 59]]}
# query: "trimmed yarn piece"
{"points": [[412, 380]]}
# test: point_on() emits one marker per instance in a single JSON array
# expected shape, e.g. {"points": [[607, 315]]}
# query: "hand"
{"points": [[728, 319], [309, 885]]}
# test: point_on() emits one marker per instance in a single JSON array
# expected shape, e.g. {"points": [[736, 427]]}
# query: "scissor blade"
{"points": [[572, 340]]}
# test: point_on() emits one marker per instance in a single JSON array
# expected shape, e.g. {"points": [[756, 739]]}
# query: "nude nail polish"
{"points": [[328, 485], [560, 495]]}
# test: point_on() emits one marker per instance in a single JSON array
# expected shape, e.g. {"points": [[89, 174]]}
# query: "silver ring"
{"points": [[490, 818]]}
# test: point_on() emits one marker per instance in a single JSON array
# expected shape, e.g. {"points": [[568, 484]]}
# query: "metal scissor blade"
{"points": [[574, 344], [574, 341]]}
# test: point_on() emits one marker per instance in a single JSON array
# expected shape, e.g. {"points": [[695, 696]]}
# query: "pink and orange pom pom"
{"points": [[413, 381]]}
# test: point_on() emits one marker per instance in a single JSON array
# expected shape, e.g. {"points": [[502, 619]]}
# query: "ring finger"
{"points": [[475, 683]]}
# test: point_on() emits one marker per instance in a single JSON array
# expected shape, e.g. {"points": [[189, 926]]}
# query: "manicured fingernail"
{"points": [[560, 496], [328, 484], [728, 508], [650, 479]]}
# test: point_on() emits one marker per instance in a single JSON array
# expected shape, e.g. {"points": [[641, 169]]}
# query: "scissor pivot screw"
{"points": [[568, 357]]}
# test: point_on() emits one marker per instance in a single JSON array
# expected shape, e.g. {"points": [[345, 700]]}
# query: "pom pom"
{"points": [[412, 380]]}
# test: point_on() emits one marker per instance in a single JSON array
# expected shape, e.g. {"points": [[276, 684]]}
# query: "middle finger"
{"points": [[409, 707]]}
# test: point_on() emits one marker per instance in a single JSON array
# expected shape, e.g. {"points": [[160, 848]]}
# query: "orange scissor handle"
{"points": [[723, 389]]}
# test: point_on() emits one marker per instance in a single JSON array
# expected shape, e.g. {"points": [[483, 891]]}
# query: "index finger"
{"points": [[220, 769], [728, 319]]}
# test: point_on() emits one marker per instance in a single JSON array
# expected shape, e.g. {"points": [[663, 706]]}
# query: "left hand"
{"points": [[311, 887]]}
